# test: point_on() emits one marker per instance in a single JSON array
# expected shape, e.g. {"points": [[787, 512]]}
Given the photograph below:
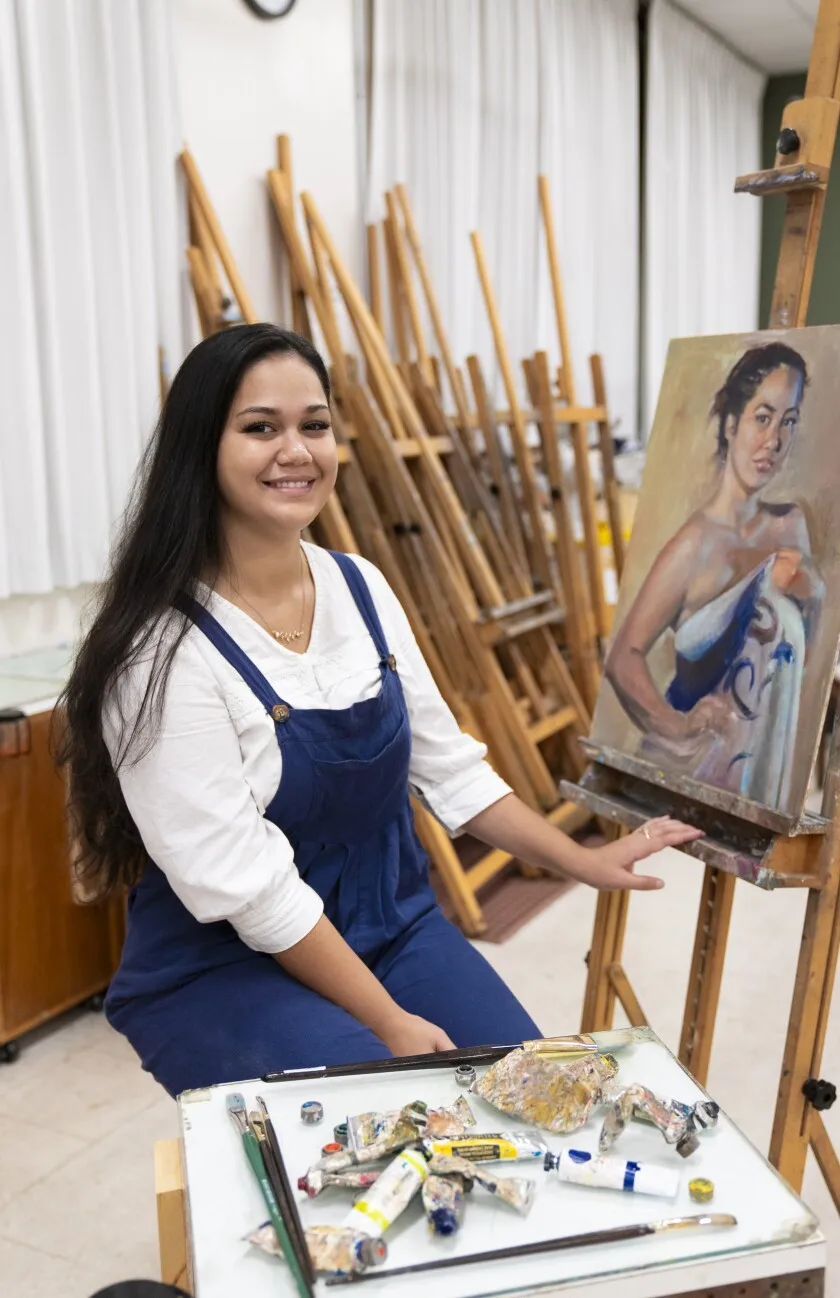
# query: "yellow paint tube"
{"points": [[490, 1147]]}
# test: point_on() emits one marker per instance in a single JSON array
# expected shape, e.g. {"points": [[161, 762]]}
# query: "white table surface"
{"points": [[776, 1233], [32, 682]]}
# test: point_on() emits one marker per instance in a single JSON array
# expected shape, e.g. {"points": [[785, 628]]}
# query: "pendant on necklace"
{"points": [[286, 636]]}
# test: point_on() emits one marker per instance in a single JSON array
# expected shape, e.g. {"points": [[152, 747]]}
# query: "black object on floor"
{"points": [[140, 1289]]}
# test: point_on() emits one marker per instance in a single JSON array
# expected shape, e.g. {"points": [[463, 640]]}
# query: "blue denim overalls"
{"points": [[200, 1007]]}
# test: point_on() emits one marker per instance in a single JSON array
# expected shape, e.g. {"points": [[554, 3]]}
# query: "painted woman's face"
{"points": [[760, 439]]}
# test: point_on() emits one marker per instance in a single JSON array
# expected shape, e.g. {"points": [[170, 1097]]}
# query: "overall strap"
{"points": [[230, 650], [364, 602]]}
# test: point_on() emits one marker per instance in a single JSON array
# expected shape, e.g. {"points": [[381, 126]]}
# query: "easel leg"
{"points": [[607, 942], [704, 980], [805, 1038]]}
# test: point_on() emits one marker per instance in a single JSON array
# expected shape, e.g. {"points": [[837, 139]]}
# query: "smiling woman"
{"points": [[740, 590], [246, 718]]}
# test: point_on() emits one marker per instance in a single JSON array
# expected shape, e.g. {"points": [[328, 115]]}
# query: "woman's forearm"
{"points": [[628, 673], [511, 826], [323, 961]]}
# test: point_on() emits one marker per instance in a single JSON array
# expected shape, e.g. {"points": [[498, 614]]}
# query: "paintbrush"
{"points": [[561, 1047], [613, 1235], [235, 1104], [584, 1044], [263, 1129]]}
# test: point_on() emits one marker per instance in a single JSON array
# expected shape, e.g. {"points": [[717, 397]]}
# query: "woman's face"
{"points": [[761, 437], [277, 459]]}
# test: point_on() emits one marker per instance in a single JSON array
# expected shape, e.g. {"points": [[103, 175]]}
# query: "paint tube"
{"points": [[578, 1167], [677, 1121], [315, 1182], [444, 1203], [334, 1250], [490, 1147], [373, 1213], [399, 1127], [555, 1094], [518, 1191]]}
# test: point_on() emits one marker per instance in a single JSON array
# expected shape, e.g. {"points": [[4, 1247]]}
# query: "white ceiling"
{"points": [[773, 34]]}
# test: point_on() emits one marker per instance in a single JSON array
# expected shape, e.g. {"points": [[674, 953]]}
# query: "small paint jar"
{"points": [[340, 1133], [332, 1148], [312, 1112], [465, 1075], [701, 1190]]}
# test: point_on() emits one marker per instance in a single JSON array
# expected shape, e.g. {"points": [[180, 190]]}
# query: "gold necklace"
{"points": [[284, 637]]}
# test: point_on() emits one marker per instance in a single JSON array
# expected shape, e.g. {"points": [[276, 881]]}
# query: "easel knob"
{"points": [[788, 141], [820, 1093]]}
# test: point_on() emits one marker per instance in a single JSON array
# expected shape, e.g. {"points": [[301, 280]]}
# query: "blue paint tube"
{"points": [[578, 1167]]}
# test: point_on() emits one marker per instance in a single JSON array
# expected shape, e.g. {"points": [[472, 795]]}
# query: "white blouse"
{"points": [[198, 795]]}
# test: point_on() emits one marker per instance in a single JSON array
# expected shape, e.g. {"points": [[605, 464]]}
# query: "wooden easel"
{"points": [[516, 487], [743, 839]]}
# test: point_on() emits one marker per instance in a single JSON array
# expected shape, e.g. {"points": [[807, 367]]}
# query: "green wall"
{"points": [[824, 306]]}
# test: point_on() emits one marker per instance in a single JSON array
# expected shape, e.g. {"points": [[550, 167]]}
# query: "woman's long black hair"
{"points": [[171, 535]]}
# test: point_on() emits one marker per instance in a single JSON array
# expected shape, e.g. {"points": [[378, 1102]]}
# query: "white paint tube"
{"points": [[391, 1194], [581, 1168]]}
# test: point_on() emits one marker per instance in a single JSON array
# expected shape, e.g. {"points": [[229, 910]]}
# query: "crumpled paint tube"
{"points": [[334, 1250], [444, 1203], [677, 1121], [492, 1146], [314, 1183], [409, 1124], [372, 1136], [518, 1191], [555, 1094]]}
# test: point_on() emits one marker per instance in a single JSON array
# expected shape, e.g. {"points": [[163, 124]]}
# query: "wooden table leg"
{"points": [[703, 994], [172, 1215]]}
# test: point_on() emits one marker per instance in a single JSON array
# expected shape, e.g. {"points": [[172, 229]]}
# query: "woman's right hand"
{"points": [[688, 734], [411, 1035], [785, 567]]}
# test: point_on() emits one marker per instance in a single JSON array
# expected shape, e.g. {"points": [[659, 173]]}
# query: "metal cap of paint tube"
{"points": [[312, 1111], [701, 1190], [688, 1142], [371, 1252], [464, 1075]]}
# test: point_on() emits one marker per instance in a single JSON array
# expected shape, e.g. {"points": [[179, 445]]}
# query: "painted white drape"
{"points": [[90, 263], [702, 241], [470, 101]]}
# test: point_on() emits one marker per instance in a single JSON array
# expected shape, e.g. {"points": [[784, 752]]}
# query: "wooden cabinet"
{"points": [[54, 953]]}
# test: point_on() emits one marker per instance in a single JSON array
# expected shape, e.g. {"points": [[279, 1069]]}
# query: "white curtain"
{"points": [[702, 241], [90, 261], [470, 101]]}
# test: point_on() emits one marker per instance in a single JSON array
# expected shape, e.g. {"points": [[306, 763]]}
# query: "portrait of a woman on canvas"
{"points": [[739, 588]]}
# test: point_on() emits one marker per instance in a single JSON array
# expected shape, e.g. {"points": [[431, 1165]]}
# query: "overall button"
{"points": [[392, 662], [280, 712]]}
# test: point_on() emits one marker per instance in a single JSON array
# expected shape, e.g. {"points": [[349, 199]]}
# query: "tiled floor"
{"points": [[78, 1118]]}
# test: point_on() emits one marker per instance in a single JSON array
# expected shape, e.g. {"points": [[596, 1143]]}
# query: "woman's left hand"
{"points": [[610, 868]]}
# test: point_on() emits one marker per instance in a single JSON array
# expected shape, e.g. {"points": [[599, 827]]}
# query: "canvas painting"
{"points": [[726, 632]]}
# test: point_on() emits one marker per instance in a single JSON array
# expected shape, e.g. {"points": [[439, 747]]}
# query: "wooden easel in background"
{"points": [[744, 840]]}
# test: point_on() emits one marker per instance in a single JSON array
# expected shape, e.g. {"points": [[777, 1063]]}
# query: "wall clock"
{"points": [[271, 8]]}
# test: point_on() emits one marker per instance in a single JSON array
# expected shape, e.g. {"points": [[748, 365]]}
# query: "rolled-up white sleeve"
{"points": [[198, 818], [448, 772]]}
